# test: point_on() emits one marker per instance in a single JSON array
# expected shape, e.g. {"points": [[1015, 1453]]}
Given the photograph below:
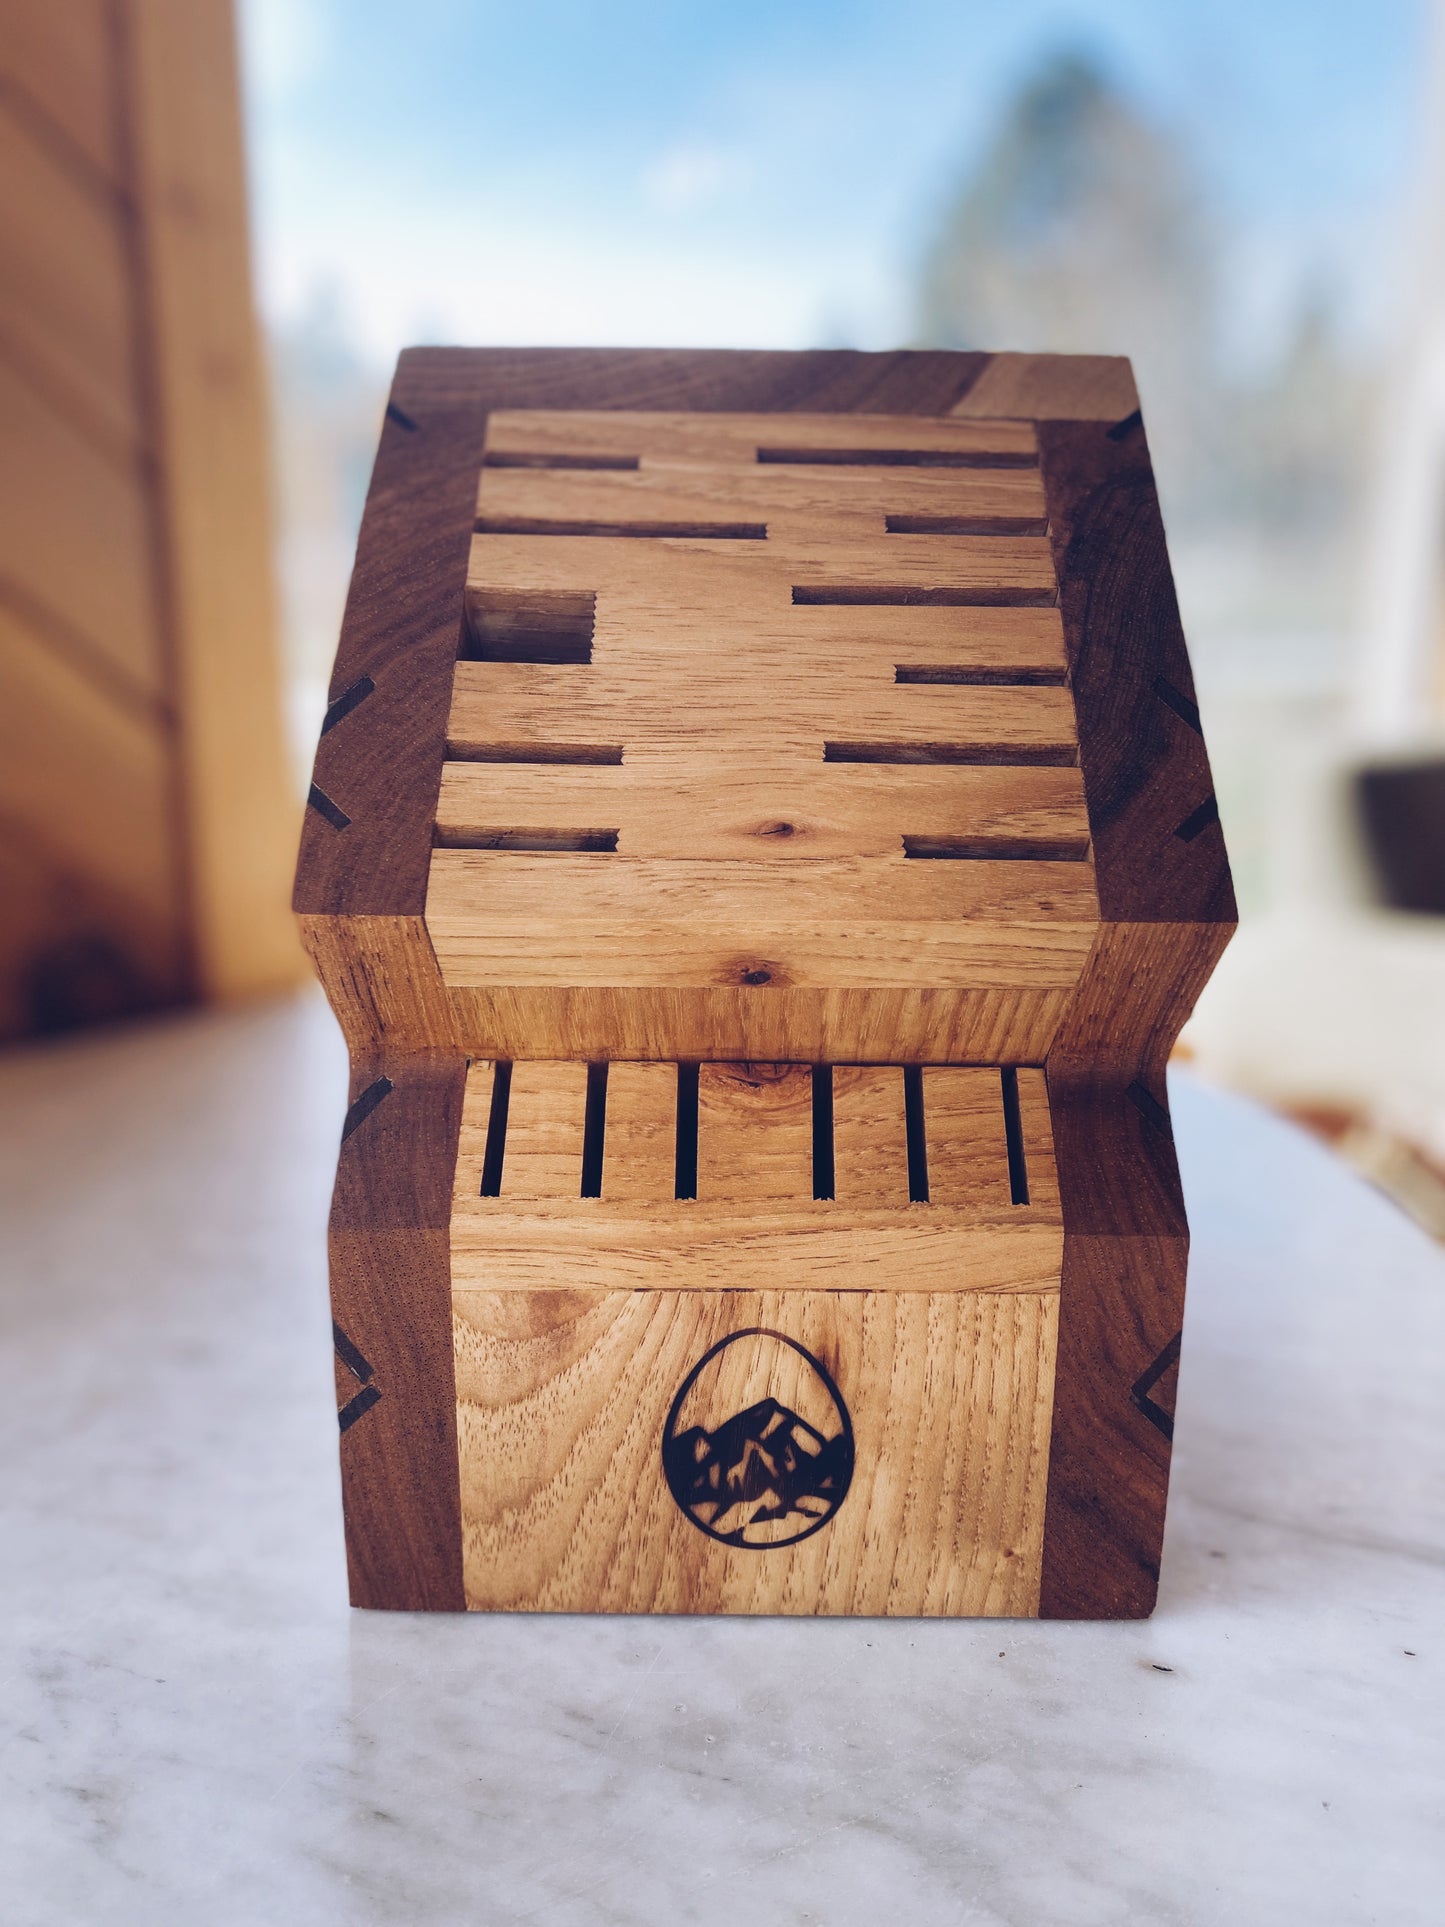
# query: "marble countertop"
{"points": [[196, 1729]]}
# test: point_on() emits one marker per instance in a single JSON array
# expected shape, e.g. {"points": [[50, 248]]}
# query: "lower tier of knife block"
{"points": [[820, 1380]]}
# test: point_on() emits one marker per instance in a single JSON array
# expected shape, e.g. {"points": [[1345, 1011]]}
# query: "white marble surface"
{"points": [[197, 1730]]}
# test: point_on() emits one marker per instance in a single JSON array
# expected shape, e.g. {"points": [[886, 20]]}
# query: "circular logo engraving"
{"points": [[758, 1445]]}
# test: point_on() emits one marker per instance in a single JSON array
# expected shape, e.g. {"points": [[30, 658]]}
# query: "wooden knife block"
{"points": [[761, 853]]}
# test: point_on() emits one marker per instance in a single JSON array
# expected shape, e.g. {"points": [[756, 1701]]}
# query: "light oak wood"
{"points": [[964, 1121], [535, 704], [1038, 1139], [745, 942], [837, 890], [798, 814], [787, 501], [545, 1116], [733, 439], [870, 1137], [865, 1024], [756, 1219], [640, 1145], [805, 833], [754, 1133], [695, 1247], [562, 1398], [655, 729], [684, 570]]}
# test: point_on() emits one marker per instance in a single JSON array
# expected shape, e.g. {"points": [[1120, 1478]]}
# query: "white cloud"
{"points": [[283, 44], [405, 274], [690, 175]]}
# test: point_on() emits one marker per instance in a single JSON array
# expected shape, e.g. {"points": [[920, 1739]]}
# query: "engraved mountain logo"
{"points": [[758, 1445]]}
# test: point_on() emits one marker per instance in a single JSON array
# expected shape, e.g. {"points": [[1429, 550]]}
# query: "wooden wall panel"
{"points": [[209, 397], [58, 70], [67, 310], [77, 538], [146, 787], [104, 805]]}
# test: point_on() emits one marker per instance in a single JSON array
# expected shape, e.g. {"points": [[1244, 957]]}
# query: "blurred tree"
{"points": [[1081, 231], [327, 403]]}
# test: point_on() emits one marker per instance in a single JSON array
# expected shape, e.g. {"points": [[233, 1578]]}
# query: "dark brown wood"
{"points": [[1126, 1247], [1168, 907], [740, 381], [1158, 852], [366, 840], [391, 1302]]}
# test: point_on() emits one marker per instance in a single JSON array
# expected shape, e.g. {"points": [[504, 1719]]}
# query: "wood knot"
{"points": [[776, 829], [753, 973]]}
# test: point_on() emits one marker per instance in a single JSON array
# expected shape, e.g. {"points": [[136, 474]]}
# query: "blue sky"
{"points": [[769, 174]]}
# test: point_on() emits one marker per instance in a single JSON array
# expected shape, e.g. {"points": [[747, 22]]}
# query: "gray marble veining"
{"points": [[197, 1730]]}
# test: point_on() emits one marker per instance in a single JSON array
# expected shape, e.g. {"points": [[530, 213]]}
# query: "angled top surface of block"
{"points": [[739, 707], [746, 702]]}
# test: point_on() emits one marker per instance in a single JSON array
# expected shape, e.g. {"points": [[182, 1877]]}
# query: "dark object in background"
{"points": [[84, 980], [1402, 811]]}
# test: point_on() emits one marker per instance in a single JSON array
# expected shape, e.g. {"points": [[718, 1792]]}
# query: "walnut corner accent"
{"points": [[761, 853]]}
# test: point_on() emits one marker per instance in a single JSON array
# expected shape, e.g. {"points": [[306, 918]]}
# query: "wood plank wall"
{"points": [[147, 815]]}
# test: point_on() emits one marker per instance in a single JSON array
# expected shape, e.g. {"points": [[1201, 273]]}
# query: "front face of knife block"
{"points": [[757, 1195]]}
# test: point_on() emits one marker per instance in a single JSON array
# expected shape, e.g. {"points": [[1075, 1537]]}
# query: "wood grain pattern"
{"points": [[782, 737], [545, 1118], [870, 1137], [1121, 1309], [754, 1133], [514, 705], [1052, 388], [1167, 911], [671, 810], [640, 1149], [757, 1216], [697, 1247], [500, 919], [787, 500], [1146, 770], [403, 614], [389, 1295], [758, 1022], [562, 1401], [693, 439], [967, 1153]]}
